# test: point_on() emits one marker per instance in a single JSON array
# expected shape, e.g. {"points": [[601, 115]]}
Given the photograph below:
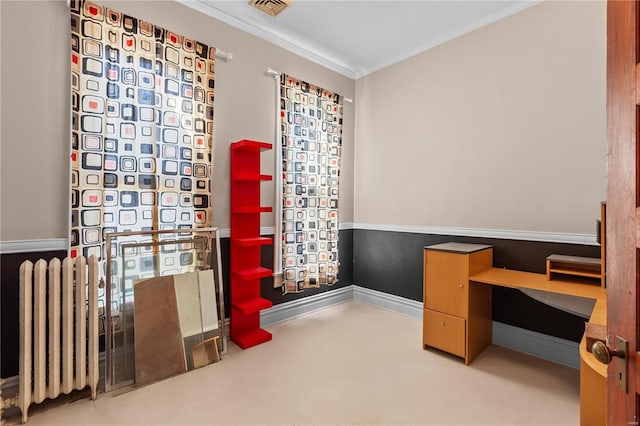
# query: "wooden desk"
{"points": [[519, 279], [593, 374]]}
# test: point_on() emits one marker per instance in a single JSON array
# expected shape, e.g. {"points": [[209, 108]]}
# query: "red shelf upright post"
{"points": [[246, 242]]}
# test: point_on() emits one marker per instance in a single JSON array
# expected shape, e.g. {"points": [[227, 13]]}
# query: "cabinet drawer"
{"points": [[446, 282], [444, 332]]}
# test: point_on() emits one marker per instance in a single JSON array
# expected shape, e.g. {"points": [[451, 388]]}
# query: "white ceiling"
{"points": [[358, 37]]}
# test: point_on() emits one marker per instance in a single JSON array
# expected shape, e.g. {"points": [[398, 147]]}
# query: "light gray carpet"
{"points": [[348, 364]]}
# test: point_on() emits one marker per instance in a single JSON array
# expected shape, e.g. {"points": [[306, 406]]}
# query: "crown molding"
{"points": [[279, 39], [322, 58], [520, 6]]}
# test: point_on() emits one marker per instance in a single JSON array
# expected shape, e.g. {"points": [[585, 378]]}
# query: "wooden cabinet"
{"points": [[457, 312]]}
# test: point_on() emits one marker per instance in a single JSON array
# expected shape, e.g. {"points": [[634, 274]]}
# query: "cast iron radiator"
{"points": [[58, 329]]}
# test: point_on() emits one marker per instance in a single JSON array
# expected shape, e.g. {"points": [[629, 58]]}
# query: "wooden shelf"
{"points": [[251, 306], [576, 272], [254, 273], [251, 242], [252, 337], [559, 265]]}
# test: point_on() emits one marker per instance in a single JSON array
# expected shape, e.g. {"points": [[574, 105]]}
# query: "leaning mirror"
{"points": [[165, 304]]}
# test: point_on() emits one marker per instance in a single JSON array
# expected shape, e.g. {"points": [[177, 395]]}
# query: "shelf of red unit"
{"points": [[251, 306], [246, 244], [252, 177], [252, 242], [252, 209]]}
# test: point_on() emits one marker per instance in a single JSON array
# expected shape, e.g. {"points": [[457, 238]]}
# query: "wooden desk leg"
{"points": [[479, 324], [548, 270]]}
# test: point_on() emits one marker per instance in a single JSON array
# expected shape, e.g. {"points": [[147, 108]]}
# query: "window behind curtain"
{"points": [[141, 134], [311, 120]]}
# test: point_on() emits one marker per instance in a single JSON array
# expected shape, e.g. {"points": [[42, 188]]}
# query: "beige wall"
{"points": [[34, 144], [502, 128]]}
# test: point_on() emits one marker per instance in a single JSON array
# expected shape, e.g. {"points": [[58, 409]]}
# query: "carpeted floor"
{"points": [[347, 364]]}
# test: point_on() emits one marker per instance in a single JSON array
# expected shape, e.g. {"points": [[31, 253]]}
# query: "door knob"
{"points": [[604, 354]]}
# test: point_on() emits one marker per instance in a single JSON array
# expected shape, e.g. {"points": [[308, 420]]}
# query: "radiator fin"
{"points": [[67, 325], [39, 331], [54, 328], [26, 323], [81, 325]]}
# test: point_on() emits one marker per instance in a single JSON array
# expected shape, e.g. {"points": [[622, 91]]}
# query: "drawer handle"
{"points": [[442, 323], [461, 286]]}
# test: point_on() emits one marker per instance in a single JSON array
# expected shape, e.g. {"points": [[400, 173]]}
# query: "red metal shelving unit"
{"points": [[246, 242]]}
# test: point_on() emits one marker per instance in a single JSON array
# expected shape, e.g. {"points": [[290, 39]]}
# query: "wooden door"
{"points": [[622, 201]]}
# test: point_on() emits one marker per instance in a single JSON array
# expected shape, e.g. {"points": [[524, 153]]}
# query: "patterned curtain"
{"points": [[311, 119], [142, 126]]}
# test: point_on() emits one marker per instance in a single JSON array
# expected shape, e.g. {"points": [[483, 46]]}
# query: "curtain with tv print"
{"points": [[141, 134], [311, 124]]}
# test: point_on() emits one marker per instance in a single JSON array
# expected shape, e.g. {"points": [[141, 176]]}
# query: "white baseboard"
{"points": [[401, 305], [551, 348], [288, 310]]}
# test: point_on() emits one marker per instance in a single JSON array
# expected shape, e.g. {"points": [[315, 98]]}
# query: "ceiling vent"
{"points": [[270, 7]]}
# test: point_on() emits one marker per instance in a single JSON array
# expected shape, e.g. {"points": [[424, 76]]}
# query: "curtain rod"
{"points": [[275, 74], [224, 55], [220, 54]]}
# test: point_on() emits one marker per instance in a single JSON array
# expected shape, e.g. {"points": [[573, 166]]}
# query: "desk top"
{"points": [[528, 280], [519, 279], [462, 248]]}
